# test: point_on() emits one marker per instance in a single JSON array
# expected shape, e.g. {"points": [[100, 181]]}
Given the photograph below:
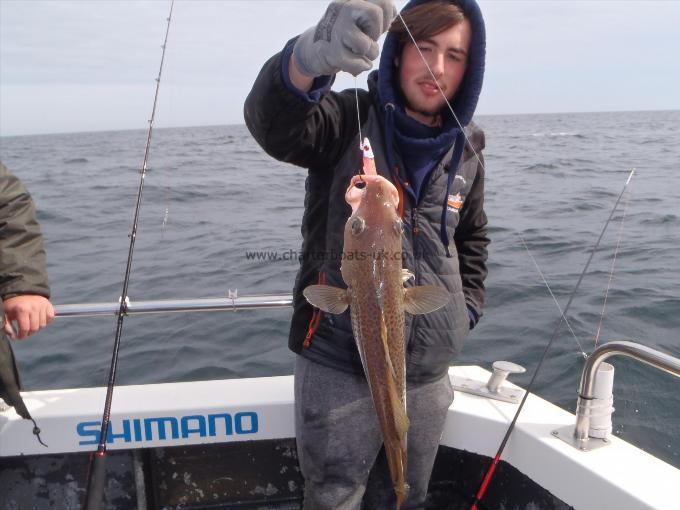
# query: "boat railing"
{"points": [[588, 404], [230, 303], [589, 399]]}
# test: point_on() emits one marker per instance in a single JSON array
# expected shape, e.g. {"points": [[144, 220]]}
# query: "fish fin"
{"points": [[383, 337], [401, 420], [327, 298], [406, 275], [425, 299]]}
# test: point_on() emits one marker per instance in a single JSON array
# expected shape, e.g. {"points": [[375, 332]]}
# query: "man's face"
{"points": [[446, 54]]}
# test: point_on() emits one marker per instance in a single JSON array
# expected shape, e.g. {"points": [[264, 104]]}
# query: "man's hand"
{"points": [[345, 39], [30, 312]]}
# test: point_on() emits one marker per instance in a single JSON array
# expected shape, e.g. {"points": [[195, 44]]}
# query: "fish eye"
{"points": [[358, 225], [399, 226], [360, 184]]}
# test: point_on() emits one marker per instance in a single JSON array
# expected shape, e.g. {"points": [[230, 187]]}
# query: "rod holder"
{"points": [[601, 407], [579, 436]]}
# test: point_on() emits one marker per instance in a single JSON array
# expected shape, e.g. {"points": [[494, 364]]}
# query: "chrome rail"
{"points": [[177, 305], [657, 359]]}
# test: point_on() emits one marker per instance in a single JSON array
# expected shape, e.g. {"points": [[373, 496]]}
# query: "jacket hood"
{"points": [[465, 101]]}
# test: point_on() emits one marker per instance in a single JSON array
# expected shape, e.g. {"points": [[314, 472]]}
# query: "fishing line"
{"points": [[168, 110], [436, 82], [96, 469], [557, 304], [611, 272], [165, 218], [356, 96], [361, 138], [496, 459]]}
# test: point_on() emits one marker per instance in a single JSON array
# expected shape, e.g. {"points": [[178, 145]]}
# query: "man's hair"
{"points": [[426, 20]]}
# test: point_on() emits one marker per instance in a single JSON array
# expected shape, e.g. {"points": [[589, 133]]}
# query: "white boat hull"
{"points": [[199, 419]]}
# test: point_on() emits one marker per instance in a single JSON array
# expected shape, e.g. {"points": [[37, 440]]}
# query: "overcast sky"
{"points": [[88, 65]]}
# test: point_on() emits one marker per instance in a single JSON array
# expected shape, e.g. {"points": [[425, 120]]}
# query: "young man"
{"points": [[419, 146], [24, 290]]}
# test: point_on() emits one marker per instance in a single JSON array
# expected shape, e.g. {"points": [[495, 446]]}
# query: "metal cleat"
{"points": [[494, 388]]}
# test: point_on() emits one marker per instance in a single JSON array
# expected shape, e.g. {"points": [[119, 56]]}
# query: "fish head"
{"points": [[374, 226], [374, 201], [368, 191]]}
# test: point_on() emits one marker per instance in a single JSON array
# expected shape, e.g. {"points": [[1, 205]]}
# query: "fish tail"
{"points": [[402, 494], [396, 460], [396, 450]]}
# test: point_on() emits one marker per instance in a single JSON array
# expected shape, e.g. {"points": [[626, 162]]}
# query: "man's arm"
{"points": [[296, 129], [299, 80], [290, 111], [24, 287]]}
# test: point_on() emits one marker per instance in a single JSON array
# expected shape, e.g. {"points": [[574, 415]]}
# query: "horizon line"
{"points": [[115, 130]]}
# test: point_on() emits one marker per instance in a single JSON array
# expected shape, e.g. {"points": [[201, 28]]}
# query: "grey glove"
{"points": [[345, 39]]}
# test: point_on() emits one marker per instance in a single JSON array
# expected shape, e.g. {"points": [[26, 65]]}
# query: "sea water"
{"points": [[219, 214]]}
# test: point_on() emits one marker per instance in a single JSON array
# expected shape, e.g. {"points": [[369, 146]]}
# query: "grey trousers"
{"points": [[339, 439]]}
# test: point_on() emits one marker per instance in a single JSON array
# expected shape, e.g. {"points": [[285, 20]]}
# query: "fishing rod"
{"points": [[492, 468], [94, 494], [611, 275]]}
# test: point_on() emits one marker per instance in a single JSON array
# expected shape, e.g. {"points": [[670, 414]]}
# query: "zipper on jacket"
{"points": [[414, 221], [415, 246]]}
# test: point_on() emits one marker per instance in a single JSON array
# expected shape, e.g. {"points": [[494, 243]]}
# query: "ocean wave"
{"points": [[660, 220], [558, 134], [540, 167], [74, 161], [663, 313]]}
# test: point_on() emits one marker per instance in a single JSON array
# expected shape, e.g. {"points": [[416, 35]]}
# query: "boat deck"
{"points": [[244, 475]]}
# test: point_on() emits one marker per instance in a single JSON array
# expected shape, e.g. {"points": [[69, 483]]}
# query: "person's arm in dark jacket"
{"points": [[24, 287], [298, 130]]}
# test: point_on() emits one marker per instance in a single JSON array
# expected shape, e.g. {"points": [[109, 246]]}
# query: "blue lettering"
{"points": [[130, 430], [199, 429], [247, 419], [160, 426], [89, 428], [125, 435], [212, 418], [137, 424]]}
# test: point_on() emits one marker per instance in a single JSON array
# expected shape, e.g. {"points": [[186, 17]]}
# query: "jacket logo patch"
{"points": [[454, 202]]}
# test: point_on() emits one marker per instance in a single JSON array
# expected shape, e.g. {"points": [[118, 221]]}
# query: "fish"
{"points": [[372, 269]]}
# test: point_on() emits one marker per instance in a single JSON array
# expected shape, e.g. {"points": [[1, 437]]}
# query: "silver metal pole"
{"points": [[176, 305], [657, 359]]}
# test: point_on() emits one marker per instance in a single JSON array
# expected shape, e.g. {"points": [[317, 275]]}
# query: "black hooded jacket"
{"points": [[323, 137]]}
